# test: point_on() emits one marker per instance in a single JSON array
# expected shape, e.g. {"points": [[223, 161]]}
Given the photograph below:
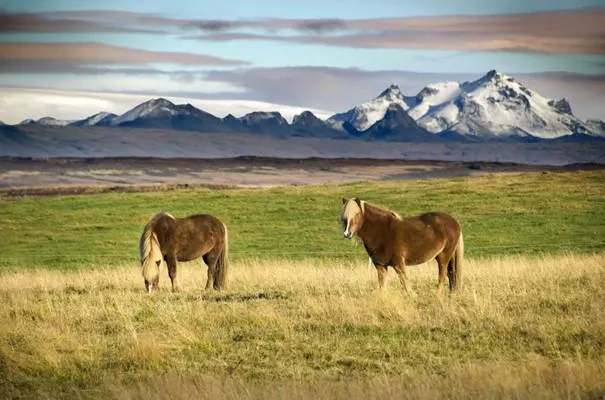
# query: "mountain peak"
{"points": [[495, 76], [561, 105], [391, 93], [159, 102], [362, 116]]}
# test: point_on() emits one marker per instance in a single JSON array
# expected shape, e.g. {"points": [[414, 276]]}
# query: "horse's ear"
{"points": [[344, 200], [358, 201]]}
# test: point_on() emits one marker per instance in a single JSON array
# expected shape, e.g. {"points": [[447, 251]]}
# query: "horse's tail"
{"points": [[455, 272], [222, 263], [149, 252]]}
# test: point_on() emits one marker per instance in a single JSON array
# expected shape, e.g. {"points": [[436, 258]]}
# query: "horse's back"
{"points": [[205, 225], [426, 235], [198, 234], [439, 219]]}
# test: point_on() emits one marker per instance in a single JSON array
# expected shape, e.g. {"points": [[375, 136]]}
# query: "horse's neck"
{"points": [[375, 221], [164, 229]]}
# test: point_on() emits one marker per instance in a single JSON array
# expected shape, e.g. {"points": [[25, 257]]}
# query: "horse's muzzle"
{"points": [[348, 235]]}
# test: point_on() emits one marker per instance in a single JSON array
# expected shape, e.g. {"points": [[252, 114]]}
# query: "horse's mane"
{"points": [[382, 210], [149, 240]]}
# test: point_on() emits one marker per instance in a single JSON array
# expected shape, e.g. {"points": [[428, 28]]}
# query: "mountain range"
{"points": [[493, 107]]}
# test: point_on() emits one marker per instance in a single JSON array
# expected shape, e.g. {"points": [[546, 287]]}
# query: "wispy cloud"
{"points": [[45, 23], [54, 55], [577, 31], [572, 31]]}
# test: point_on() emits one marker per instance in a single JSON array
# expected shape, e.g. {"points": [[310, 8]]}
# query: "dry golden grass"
{"points": [[523, 327]]}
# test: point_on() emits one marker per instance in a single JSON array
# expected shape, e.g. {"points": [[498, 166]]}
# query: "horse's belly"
{"points": [[194, 252], [423, 255]]}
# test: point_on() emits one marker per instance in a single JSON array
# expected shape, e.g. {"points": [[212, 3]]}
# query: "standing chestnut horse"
{"points": [[391, 240], [184, 239]]}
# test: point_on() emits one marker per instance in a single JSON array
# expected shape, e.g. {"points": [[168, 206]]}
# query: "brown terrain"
{"points": [[52, 176]]}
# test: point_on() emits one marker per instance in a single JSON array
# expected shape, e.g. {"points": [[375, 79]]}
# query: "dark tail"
{"points": [[454, 271], [222, 263]]}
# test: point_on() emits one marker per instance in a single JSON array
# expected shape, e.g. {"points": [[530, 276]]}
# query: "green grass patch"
{"points": [[500, 214]]}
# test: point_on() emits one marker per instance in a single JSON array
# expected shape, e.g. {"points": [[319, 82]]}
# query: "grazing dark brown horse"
{"points": [[184, 239], [391, 240]]}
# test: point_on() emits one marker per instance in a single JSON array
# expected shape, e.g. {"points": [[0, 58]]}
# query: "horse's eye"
{"points": [[158, 262]]}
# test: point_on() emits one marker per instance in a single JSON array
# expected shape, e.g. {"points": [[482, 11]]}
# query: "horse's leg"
{"points": [[442, 262], [171, 263], [450, 274], [403, 276], [210, 264], [382, 276]]}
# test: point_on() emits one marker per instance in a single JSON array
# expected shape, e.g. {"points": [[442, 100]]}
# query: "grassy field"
{"points": [[302, 317], [520, 213], [524, 327]]}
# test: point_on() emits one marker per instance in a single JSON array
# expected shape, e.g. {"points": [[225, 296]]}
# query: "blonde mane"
{"points": [[149, 248], [349, 212], [384, 210]]}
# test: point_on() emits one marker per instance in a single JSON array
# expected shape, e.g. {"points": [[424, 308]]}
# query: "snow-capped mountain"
{"points": [[365, 115], [397, 125], [270, 122], [596, 127], [153, 108], [47, 121], [99, 119], [432, 95], [493, 106], [162, 113]]}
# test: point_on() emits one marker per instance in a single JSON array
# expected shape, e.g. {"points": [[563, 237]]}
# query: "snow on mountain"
{"points": [[433, 95], [100, 119], [262, 118], [47, 121], [153, 108], [496, 105], [367, 114], [268, 122], [397, 125], [596, 127]]}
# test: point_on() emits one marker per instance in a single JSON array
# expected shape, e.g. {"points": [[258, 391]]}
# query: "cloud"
{"points": [[570, 31], [575, 31], [322, 25], [78, 54], [42, 23], [212, 25]]}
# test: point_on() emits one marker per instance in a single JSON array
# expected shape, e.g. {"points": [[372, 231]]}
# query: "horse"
{"points": [[392, 240], [184, 239]]}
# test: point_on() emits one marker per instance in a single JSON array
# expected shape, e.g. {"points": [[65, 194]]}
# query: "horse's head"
{"points": [[351, 216], [151, 259], [151, 273]]}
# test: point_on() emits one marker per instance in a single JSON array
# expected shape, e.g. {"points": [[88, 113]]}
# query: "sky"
{"points": [[70, 59]]}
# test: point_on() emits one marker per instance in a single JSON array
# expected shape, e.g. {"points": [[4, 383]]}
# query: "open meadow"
{"points": [[302, 317]]}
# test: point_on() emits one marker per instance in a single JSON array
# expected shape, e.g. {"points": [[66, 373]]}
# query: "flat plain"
{"points": [[302, 316]]}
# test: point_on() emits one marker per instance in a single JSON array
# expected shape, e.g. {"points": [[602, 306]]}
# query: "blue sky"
{"points": [[323, 55]]}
